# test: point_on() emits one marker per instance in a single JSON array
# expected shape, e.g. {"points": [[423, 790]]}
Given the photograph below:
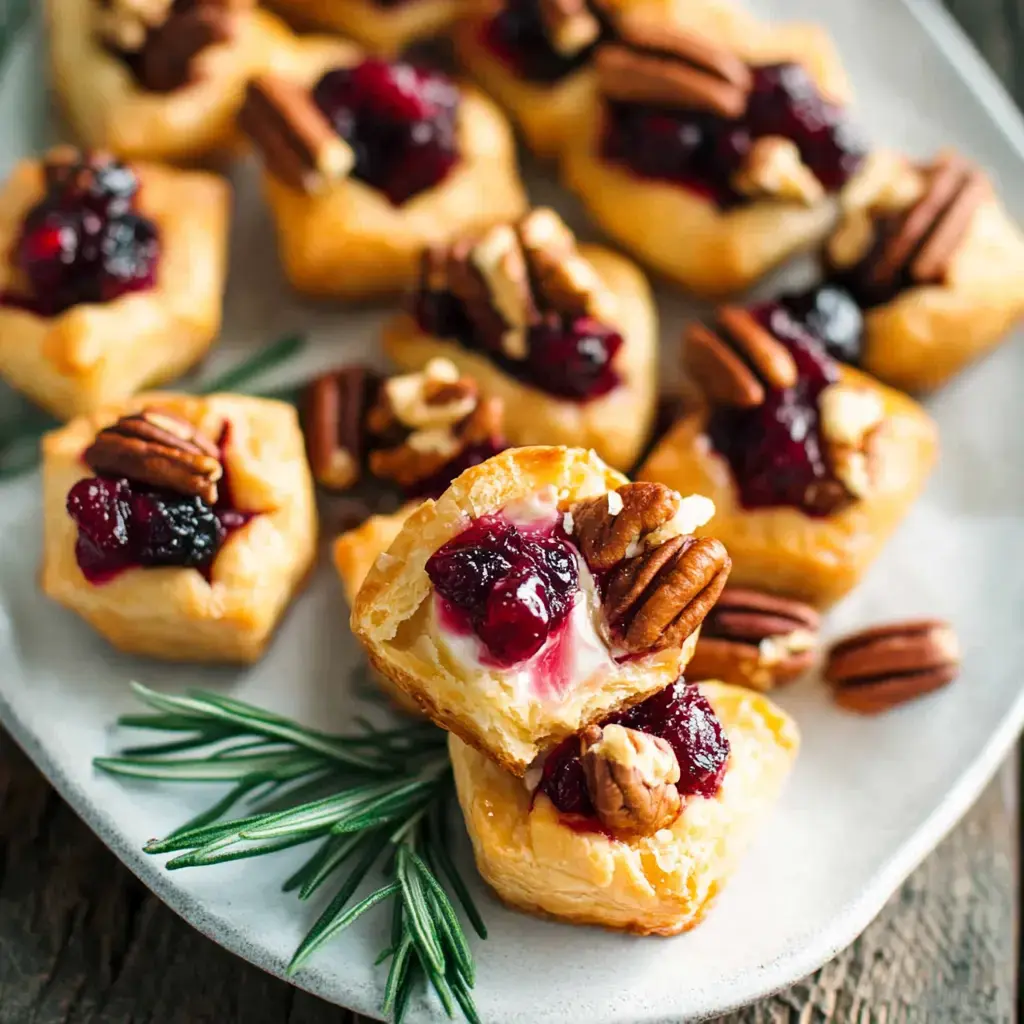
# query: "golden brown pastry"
{"points": [[153, 82], [539, 593], [138, 302], [419, 160], [582, 867], [565, 336], [179, 527], [712, 162], [811, 465], [933, 258]]}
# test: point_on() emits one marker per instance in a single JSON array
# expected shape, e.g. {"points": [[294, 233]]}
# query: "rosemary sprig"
{"points": [[379, 797]]}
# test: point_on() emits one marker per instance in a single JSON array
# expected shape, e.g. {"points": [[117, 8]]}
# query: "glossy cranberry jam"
{"points": [[512, 586], [833, 316], [401, 122], [776, 451], [679, 714], [84, 241], [703, 151]]}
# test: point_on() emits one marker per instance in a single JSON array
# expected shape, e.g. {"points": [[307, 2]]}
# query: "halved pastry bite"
{"points": [[712, 162], [179, 526], [372, 162], [538, 594], [111, 276], [811, 465], [635, 823], [565, 335]]}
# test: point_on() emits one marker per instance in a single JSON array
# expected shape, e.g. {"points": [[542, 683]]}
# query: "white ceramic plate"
{"points": [[868, 799]]}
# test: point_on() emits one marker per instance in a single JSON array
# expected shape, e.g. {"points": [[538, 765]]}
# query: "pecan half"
{"points": [[631, 779], [652, 63], [167, 59], [755, 639], [158, 448], [878, 668], [297, 142]]}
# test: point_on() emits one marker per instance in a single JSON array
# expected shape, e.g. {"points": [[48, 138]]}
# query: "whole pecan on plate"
{"points": [[878, 668], [755, 639], [157, 447]]}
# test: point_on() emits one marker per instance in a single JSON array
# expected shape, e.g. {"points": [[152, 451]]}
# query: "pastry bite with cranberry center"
{"points": [[565, 335], [179, 526], [373, 162], [539, 593], [111, 276], [811, 465], [710, 168], [638, 822]]}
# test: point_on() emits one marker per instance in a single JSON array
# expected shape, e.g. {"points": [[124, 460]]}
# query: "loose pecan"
{"points": [[161, 449], [755, 639], [876, 669], [298, 144], [569, 25], [631, 779], [652, 63]]}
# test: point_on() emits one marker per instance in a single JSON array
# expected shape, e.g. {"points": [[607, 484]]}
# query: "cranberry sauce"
{"points": [[513, 587], [703, 151], [833, 316], [84, 241], [401, 122], [567, 357], [517, 37], [776, 450], [679, 714]]}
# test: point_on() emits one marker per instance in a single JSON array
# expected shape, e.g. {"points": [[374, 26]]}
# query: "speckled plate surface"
{"points": [[868, 798]]}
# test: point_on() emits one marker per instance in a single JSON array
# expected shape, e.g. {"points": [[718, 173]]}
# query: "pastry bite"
{"points": [[164, 80], [111, 276], [636, 823], [538, 594], [928, 265], [383, 26], [372, 162], [565, 335], [711, 166], [811, 465], [178, 526], [756, 639]]}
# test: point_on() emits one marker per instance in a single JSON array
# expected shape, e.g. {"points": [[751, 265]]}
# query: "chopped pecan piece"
{"points": [[774, 168], [851, 424], [631, 779], [161, 449], [569, 25], [878, 668], [755, 639]]}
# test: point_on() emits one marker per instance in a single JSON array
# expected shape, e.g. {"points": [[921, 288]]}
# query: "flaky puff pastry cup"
{"points": [[179, 614], [616, 425], [678, 232], [109, 110], [384, 29], [97, 353], [782, 550], [510, 713], [929, 332], [660, 884]]}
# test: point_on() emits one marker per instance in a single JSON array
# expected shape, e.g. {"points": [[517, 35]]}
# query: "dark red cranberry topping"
{"points": [[776, 451], [703, 151], [438, 482], [512, 588], [832, 315], [401, 122], [84, 242], [679, 714]]}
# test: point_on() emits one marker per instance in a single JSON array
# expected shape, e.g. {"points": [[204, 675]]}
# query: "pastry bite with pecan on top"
{"points": [[370, 161], [177, 526], [710, 165], [566, 335], [164, 79], [637, 822], [538, 594], [111, 276], [811, 464]]}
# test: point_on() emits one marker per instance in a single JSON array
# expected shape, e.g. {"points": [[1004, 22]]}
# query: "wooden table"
{"points": [[81, 940]]}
